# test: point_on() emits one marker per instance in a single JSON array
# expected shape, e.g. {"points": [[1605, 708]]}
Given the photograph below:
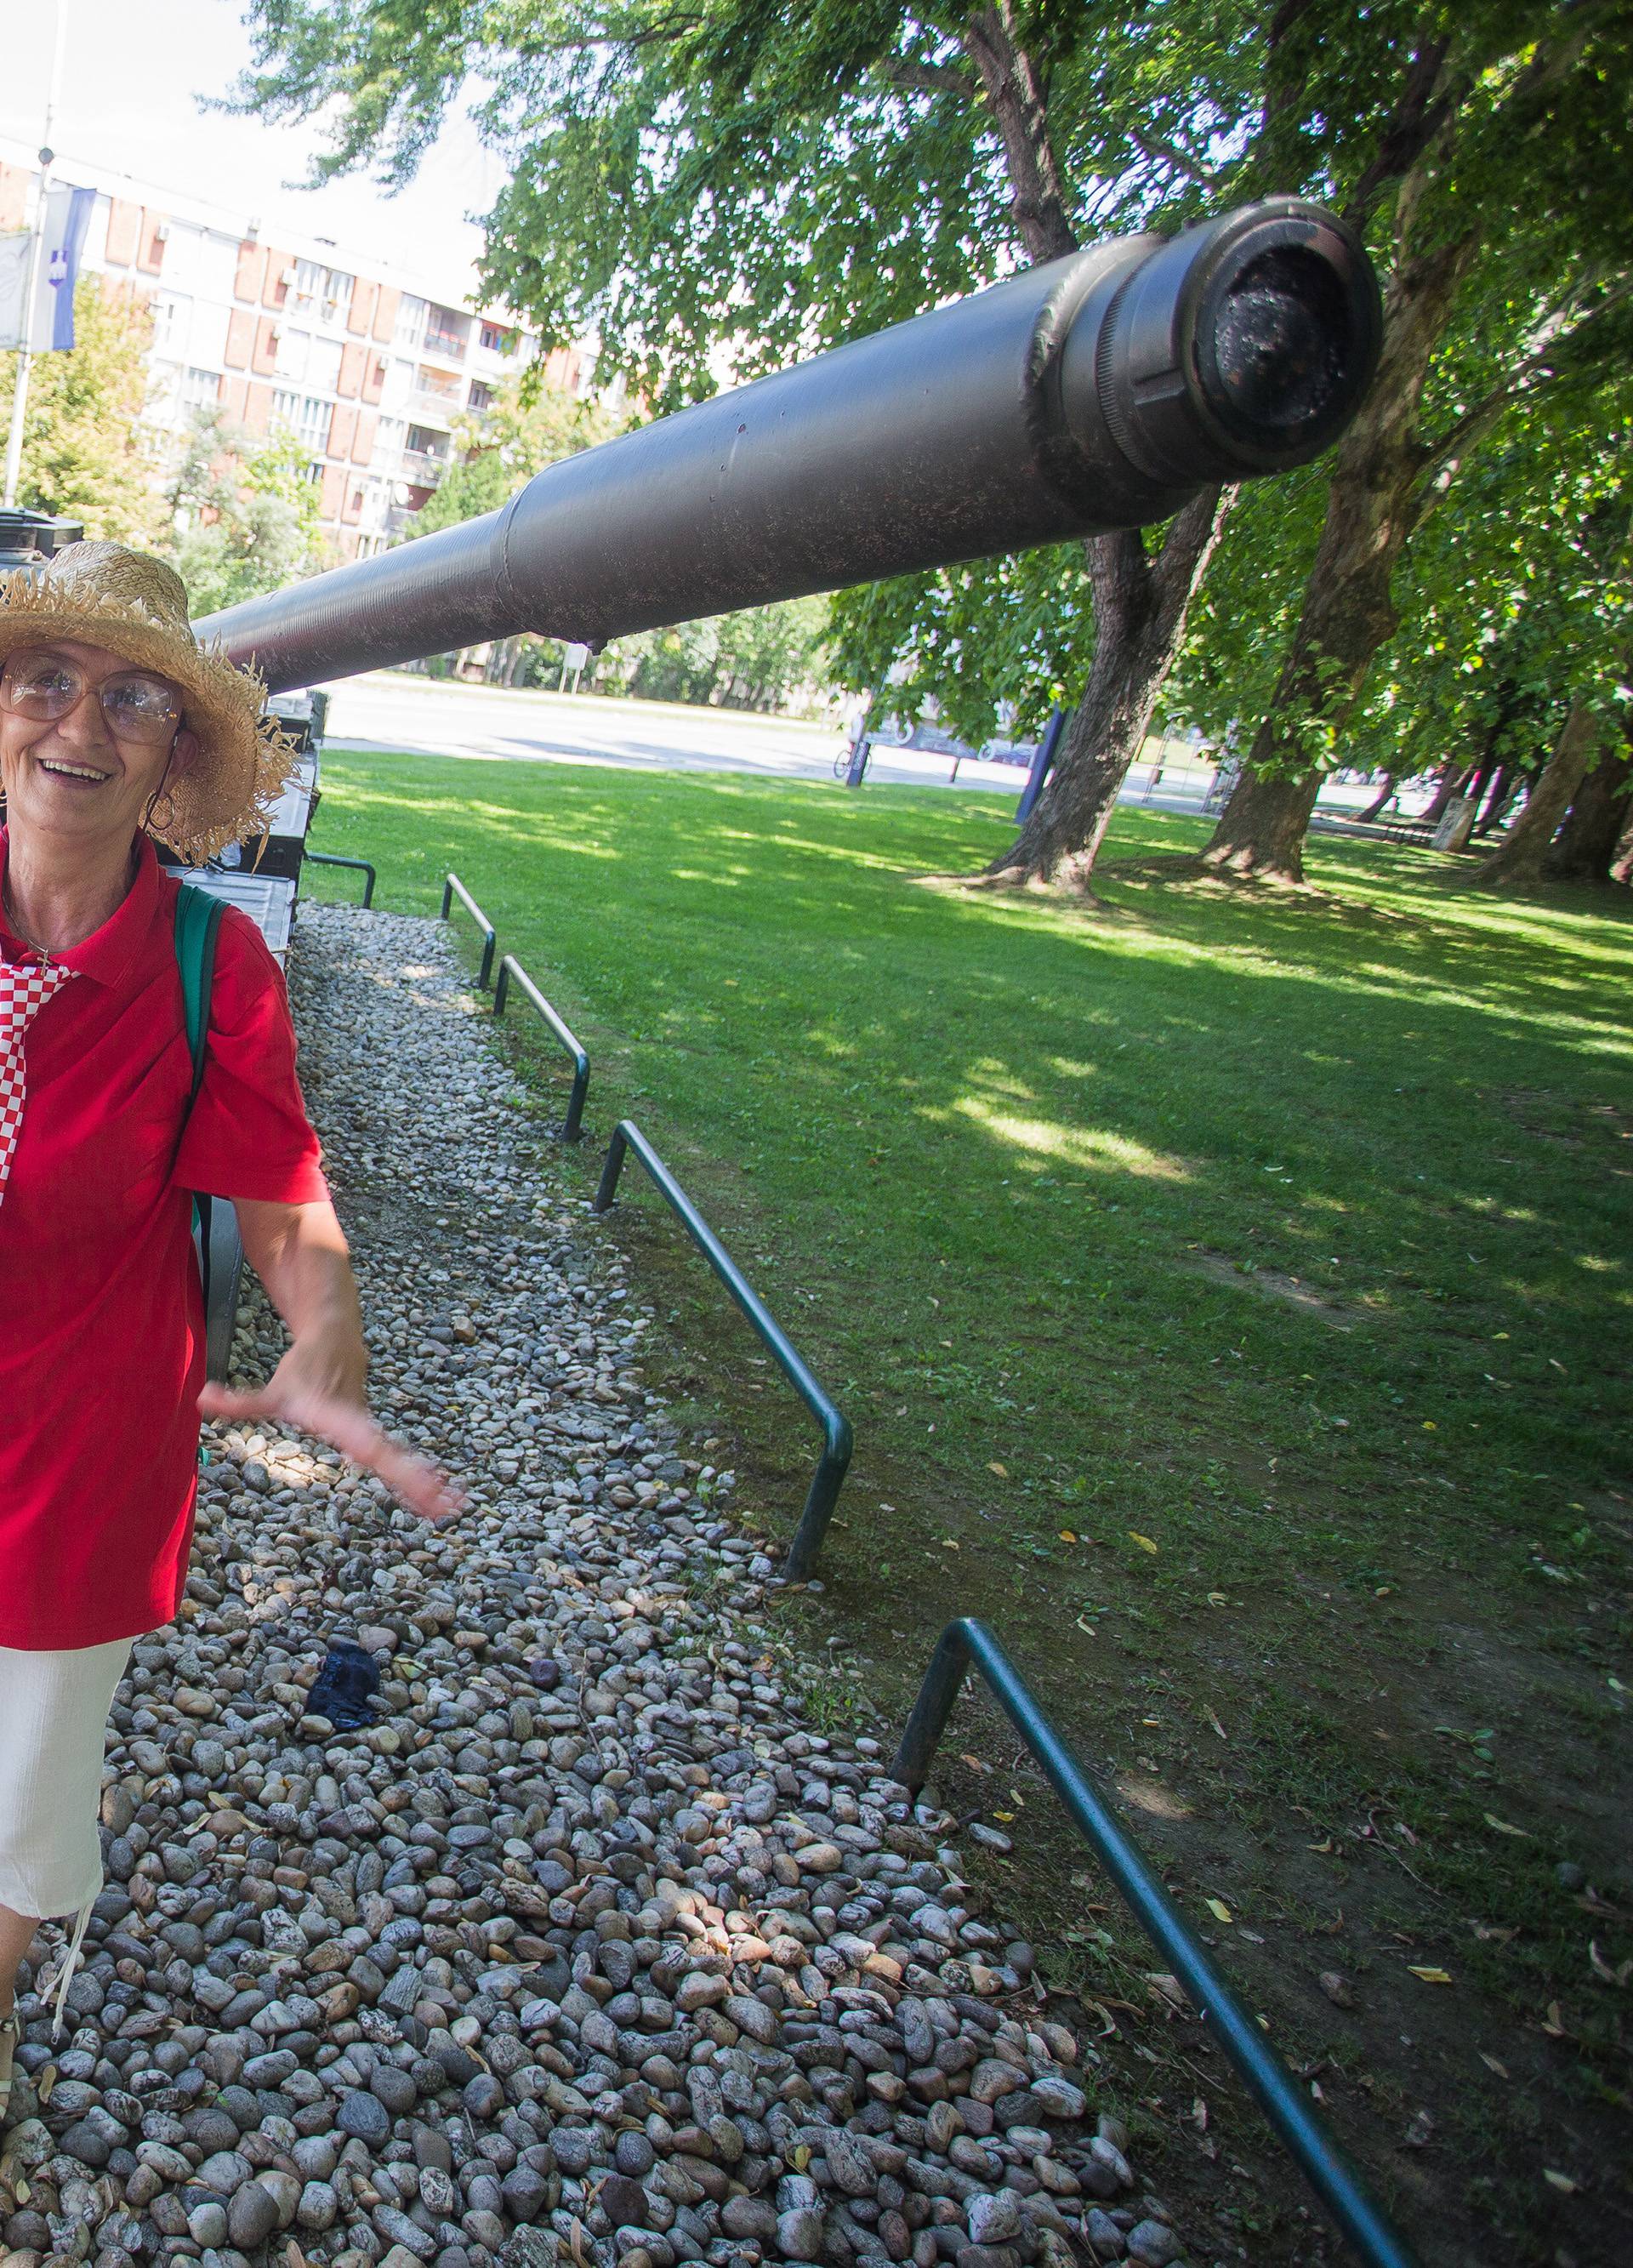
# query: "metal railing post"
{"points": [[361, 865], [571, 1126], [607, 1188], [490, 941], [838, 1439], [1335, 2180], [1042, 758]]}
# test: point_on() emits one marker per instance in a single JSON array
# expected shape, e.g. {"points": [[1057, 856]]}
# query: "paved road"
{"points": [[430, 716]]}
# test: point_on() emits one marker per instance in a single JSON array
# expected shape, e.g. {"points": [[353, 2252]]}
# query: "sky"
{"points": [[133, 71]]}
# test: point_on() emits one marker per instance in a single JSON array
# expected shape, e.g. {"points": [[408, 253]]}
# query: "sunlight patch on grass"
{"points": [[1093, 1148]]}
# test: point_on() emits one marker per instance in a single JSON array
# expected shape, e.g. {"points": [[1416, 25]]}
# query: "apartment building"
{"points": [[370, 365]]}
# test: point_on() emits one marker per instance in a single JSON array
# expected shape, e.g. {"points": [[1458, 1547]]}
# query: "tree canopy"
{"points": [[86, 453], [245, 515]]}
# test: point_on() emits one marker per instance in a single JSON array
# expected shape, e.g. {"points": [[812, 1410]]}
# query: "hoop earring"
{"points": [[151, 821]]}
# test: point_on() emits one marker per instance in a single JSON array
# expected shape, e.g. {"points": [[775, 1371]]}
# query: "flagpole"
{"points": [[24, 353]]}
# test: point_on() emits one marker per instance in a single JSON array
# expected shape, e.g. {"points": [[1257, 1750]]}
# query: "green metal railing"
{"points": [[453, 887], [837, 1438], [571, 1126], [361, 865], [970, 1644]]}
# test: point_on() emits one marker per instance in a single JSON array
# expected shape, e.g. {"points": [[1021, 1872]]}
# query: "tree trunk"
{"points": [[1374, 503], [1622, 860], [1453, 775], [1587, 841], [1503, 789], [1517, 864], [1140, 599], [1140, 605], [1377, 801]]}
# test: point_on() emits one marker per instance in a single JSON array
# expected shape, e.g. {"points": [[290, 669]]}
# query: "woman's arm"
{"points": [[299, 1254]]}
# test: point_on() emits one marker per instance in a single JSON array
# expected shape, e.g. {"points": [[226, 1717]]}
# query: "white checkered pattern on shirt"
{"points": [[25, 988]]}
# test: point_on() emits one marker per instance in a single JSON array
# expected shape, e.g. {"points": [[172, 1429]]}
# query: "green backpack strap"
{"points": [[198, 923]]}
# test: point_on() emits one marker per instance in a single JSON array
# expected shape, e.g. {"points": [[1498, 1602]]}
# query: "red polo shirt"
{"points": [[101, 1318]]}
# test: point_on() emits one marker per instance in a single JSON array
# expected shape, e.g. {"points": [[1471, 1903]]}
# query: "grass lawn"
{"points": [[1230, 1294]]}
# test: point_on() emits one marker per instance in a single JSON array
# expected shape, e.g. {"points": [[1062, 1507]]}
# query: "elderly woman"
{"points": [[115, 731]]}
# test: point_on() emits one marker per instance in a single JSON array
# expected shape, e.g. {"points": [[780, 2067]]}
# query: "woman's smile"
{"points": [[65, 767]]}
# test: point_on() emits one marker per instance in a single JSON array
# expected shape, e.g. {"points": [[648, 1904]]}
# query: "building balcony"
{"points": [[420, 466], [433, 408]]}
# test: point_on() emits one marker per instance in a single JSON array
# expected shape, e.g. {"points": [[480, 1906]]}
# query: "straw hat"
{"points": [[133, 605]]}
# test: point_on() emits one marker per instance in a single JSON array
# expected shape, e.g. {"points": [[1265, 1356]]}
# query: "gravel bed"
{"points": [[585, 1949]]}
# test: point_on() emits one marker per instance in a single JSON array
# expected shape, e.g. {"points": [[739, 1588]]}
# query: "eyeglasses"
{"points": [[135, 707]]}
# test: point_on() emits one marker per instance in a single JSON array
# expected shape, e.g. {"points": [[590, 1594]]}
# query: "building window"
{"points": [[323, 366], [293, 347], [481, 395], [172, 319], [425, 441], [200, 388], [410, 322], [322, 293], [305, 414], [447, 332], [496, 340]]}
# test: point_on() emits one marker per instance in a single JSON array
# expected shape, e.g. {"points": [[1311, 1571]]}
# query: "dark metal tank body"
{"points": [[1101, 391]]}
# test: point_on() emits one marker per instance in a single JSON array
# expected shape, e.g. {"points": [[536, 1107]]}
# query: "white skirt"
{"points": [[52, 1732]]}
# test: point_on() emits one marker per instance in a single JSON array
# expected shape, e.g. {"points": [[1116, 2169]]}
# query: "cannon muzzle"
{"points": [[1101, 391]]}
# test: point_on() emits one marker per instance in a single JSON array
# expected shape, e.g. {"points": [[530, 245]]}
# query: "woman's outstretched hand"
{"points": [[312, 1405], [320, 1386]]}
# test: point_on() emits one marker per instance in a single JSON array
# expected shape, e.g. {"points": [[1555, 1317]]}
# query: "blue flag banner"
{"points": [[67, 216]]}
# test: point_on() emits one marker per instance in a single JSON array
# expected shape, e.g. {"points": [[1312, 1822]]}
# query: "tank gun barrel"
{"points": [[1097, 392]]}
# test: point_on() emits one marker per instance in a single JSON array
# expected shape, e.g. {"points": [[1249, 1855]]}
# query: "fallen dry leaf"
{"points": [[975, 1763], [1068, 1535], [1559, 2181], [1430, 1975], [1420, 2131], [1336, 1987], [1491, 2064], [1220, 1911], [1214, 1721], [993, 1466], [1602, 1969], [1144, 1541], [1503, 1828]]}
